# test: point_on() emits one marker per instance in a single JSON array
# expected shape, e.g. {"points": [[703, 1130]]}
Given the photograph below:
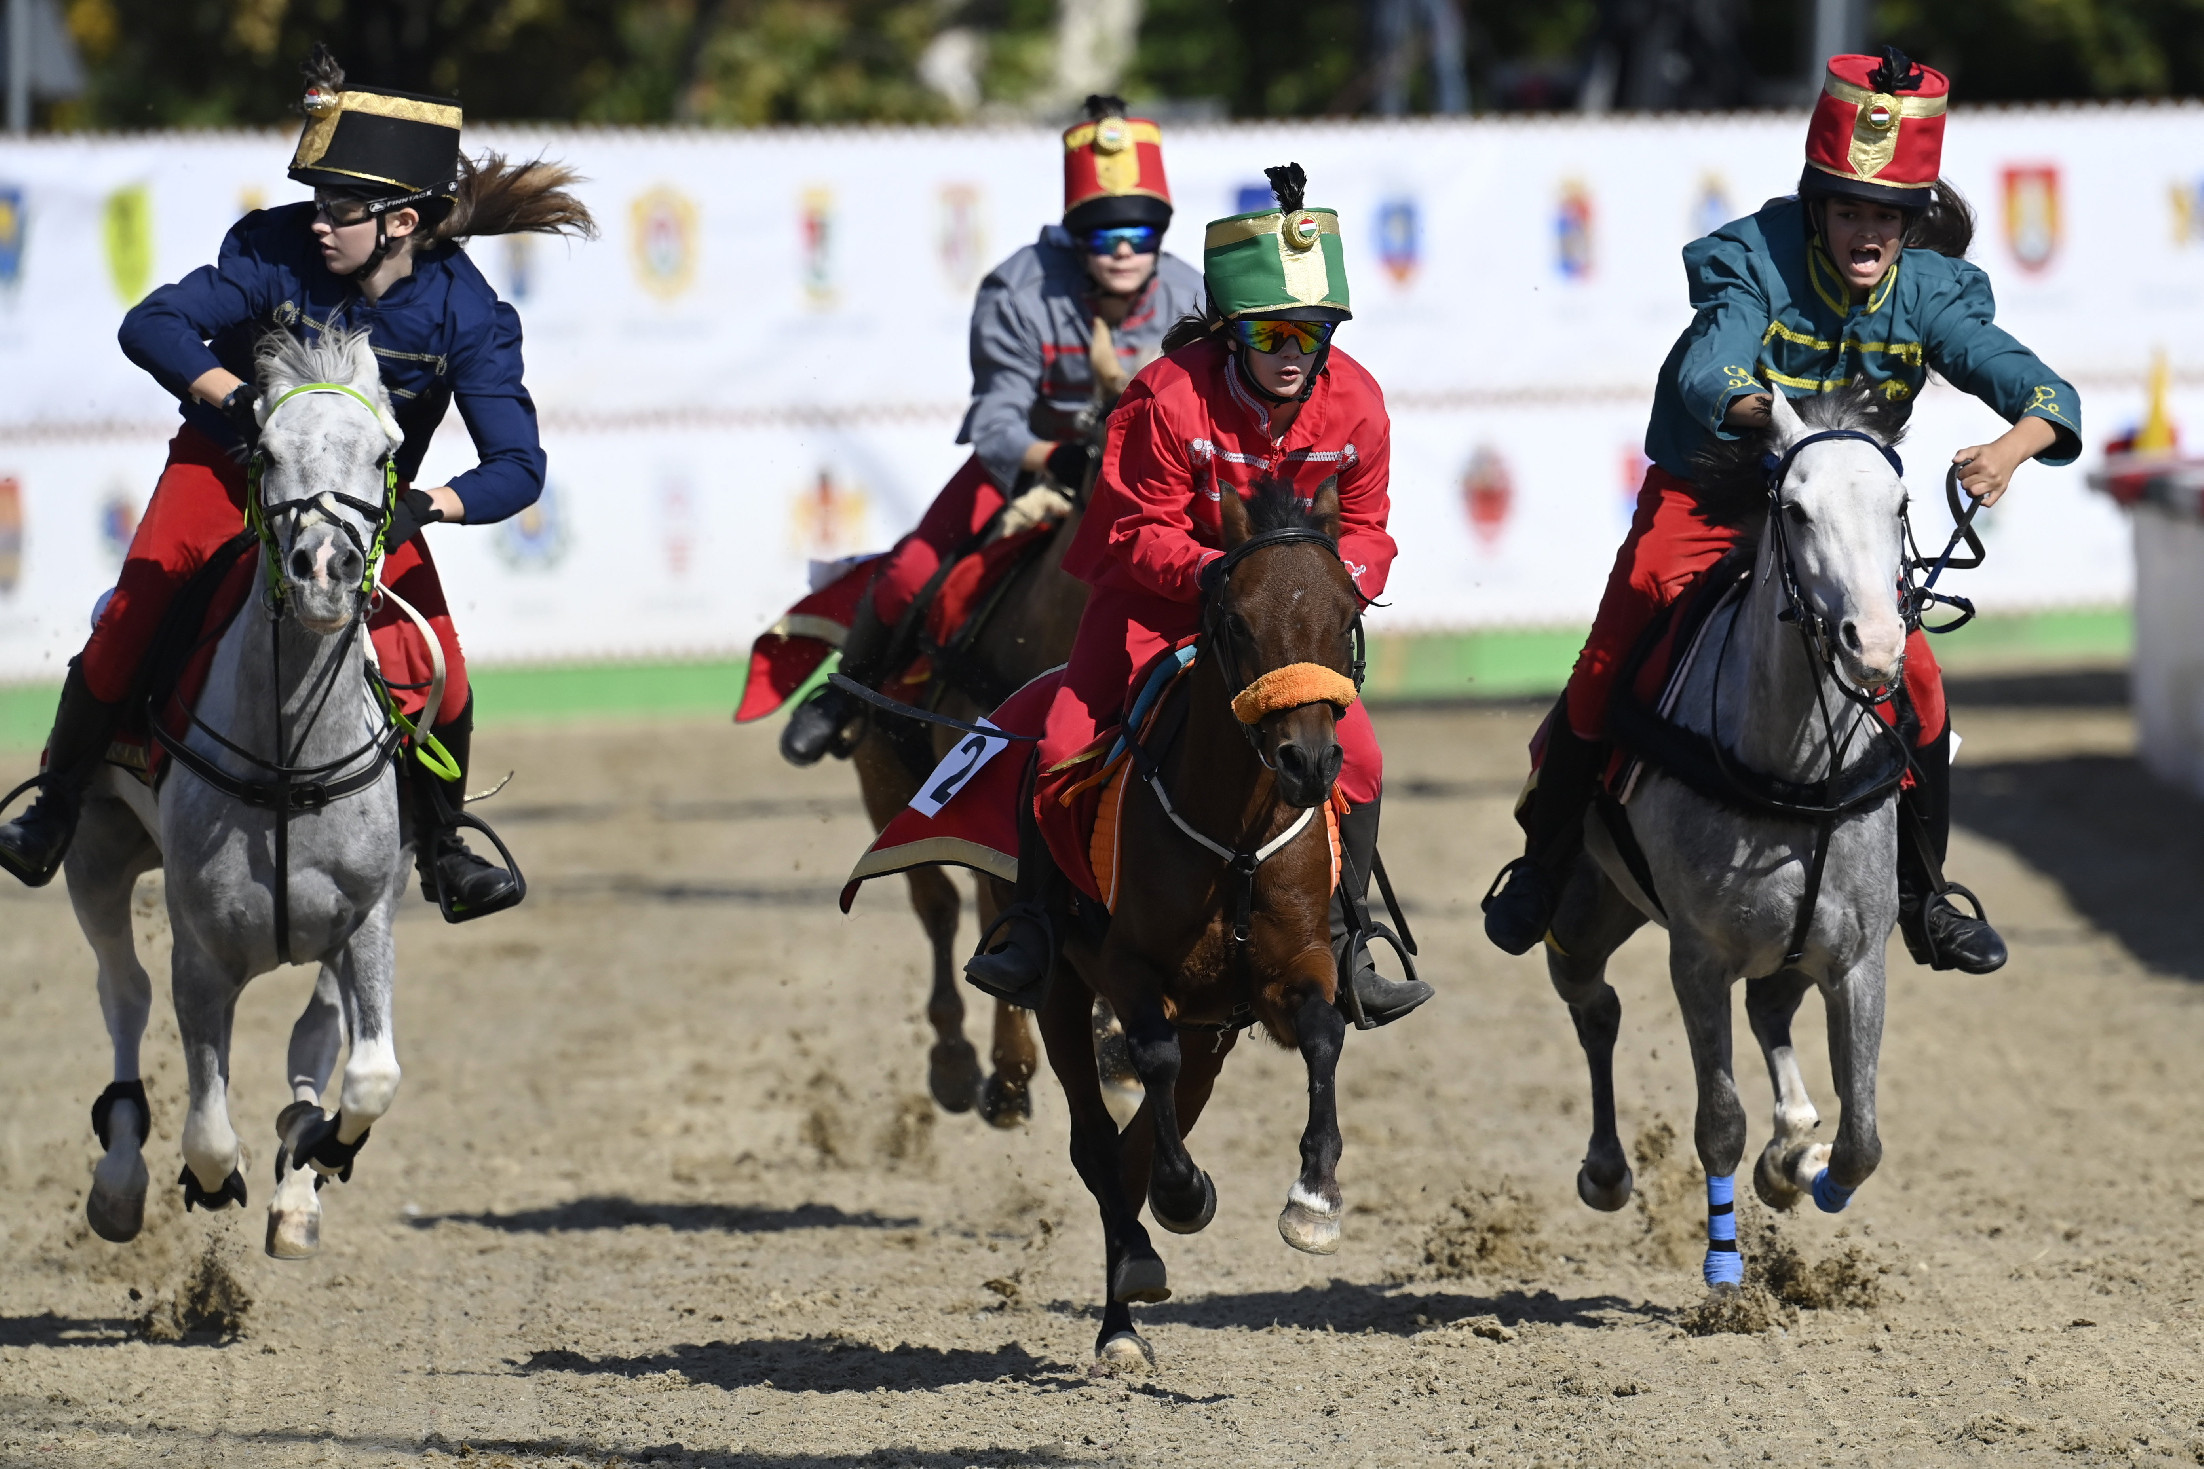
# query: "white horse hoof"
{"points": [[1124, 1354], [1803, 1163], [1310, 1224], [115, 1208], [293, 1234]]}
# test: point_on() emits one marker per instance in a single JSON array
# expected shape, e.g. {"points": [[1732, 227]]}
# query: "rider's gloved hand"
{"points": [[1070, 463], [1212, 572], [413, 510], [241, 408]]}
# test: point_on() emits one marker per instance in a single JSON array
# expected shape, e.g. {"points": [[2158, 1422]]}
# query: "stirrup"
{"points": [[1032, 994], [1361, 945], [43, 873], [454, 820], [1937, 959]]}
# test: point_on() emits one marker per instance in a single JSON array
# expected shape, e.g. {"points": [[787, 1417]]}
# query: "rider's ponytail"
{"points": [[1946, 225], [1194, 326], [500, 198]]}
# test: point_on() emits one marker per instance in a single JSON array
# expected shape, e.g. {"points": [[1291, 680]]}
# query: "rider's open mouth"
{"points": [[1867, 257]]}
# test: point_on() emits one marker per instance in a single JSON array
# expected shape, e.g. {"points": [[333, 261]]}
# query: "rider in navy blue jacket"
{"points": [[441, 334], [375, 251]]}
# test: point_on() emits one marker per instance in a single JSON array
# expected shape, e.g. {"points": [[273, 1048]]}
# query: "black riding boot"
{"points": [[464, 885], [1382, 1001], [32, 845], [831, 721], [1520, 906], [1016, 966], [1937, 934]]}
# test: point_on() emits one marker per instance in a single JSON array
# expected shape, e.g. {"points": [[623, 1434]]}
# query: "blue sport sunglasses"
{"points": [[1144, 238]]}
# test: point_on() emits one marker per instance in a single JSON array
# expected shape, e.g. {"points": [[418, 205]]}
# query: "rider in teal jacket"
{"points": [[1770, 310]]}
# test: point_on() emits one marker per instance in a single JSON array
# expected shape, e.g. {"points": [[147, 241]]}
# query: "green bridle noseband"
{"points": [[258, 518]]}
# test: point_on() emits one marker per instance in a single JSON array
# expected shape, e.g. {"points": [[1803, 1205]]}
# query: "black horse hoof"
{"points": [[1007, 1104], [1139, 1279], [953, 1075], [232, 1191], [1608, 1197], [1194, 1223]]}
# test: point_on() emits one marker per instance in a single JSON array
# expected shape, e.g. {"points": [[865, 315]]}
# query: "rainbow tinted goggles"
{"points": [[1145, 239], [1267, 336]]}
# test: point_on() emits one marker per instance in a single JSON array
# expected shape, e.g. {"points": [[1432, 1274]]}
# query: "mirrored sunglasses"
{"points": [[1266, 336], [1144, 238]]}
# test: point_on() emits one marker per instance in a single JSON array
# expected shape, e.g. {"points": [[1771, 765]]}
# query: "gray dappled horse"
{"points": [[1732, 881], [287, 689]]}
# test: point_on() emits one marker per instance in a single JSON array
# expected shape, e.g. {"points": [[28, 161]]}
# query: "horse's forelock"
{"points": [[284, 361], [1275, 505], [1732, 476]]}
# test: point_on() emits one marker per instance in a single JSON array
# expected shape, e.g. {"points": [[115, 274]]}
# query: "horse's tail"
{"points": [[497, 197]]}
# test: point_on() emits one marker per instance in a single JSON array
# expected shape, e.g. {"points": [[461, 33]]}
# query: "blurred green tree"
{"points": [[2041, 50]]}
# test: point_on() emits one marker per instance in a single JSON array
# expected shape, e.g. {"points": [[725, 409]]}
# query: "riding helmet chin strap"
{"points": [[1316, 370]]}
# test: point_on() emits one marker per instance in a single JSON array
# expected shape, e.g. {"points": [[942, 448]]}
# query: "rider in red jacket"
{"points": [[1254, 393]]}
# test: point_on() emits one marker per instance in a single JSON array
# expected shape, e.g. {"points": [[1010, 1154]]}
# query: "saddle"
{"points": [[932, 643]]}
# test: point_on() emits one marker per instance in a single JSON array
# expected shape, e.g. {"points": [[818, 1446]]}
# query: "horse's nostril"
{"points": [[1292, 761], [1334, 758], [1852, 636], [302, 564]]}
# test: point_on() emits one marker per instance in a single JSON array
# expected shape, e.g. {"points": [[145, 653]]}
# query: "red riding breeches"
{"points": [[959, 513], [198, 504], [1119, 636], [1669, 545]]}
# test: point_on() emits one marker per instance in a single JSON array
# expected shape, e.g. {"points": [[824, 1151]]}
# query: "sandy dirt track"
{"points": [[662, 1184]]}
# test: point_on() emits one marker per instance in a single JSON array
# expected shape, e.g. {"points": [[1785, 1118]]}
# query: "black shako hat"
{"points": [[378, 142]]}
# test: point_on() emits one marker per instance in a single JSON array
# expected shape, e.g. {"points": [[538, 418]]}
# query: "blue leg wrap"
{"points": [[1830, 1196], [1724, 1265]]}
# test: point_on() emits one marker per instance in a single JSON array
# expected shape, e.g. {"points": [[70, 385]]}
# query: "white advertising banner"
{"points": [[762, 361]]}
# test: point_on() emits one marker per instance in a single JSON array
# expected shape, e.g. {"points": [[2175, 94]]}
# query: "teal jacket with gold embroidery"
{"points": [[1772, 312]]}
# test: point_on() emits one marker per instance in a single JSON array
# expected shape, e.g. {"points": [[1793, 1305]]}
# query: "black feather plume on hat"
{"points": [[1287, 184], [1102, 104], [1896, 74], [321, 69]]}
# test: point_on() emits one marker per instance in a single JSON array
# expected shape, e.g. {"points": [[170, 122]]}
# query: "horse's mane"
{"points": [[1732, 474], [283, 360], [1274, 506]]}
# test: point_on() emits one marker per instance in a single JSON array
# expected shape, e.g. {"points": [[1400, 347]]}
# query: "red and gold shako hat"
{"points": [[1878, 130], [1113, 170]]}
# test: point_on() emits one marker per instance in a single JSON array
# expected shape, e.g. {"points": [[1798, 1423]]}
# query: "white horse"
{"points": [[287, 703], [1793, 899]]}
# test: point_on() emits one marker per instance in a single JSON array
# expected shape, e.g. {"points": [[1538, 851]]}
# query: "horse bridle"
{"points": [[287, 787], [1218, 637]]}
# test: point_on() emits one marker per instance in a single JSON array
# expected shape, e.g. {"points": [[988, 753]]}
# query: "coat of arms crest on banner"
{"points": [[2032, 225]]}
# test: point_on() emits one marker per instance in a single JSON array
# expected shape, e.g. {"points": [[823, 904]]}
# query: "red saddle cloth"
{"points": [[966, 813], [133, 746], [791, 650]]}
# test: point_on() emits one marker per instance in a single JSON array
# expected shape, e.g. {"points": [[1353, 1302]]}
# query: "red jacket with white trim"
{"points": [[1189, 426]]}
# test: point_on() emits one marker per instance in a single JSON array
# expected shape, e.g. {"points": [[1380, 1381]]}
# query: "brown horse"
{"points": [[1026, 631], [1199, 943]]}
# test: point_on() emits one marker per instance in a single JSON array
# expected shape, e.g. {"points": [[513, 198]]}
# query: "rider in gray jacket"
{"points": [[1033, 329]]}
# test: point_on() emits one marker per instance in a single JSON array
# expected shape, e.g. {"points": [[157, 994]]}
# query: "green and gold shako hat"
{"points": [[373, 140], [1284, 262]]}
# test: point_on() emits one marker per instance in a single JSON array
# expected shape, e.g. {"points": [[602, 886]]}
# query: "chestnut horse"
{"points": [[1200, 942]]}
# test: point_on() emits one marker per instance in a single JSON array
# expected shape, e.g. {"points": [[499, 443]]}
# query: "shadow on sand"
{"points": [[2127, 848], [49, 1330], [818, 1364], [613, 1212], [1345, 1306]]}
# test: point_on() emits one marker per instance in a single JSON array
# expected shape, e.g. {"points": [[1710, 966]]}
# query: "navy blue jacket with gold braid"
{"points": [[1772, 312], [441, 336]]}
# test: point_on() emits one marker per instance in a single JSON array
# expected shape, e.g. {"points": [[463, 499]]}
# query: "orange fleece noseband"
{"points": [[1289, 688]]}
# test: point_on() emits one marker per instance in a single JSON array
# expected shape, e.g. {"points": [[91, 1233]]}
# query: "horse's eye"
{"points": [[1797, 512]]}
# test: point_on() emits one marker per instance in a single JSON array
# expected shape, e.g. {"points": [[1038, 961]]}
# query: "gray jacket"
{"points": [[1030, 330]]}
